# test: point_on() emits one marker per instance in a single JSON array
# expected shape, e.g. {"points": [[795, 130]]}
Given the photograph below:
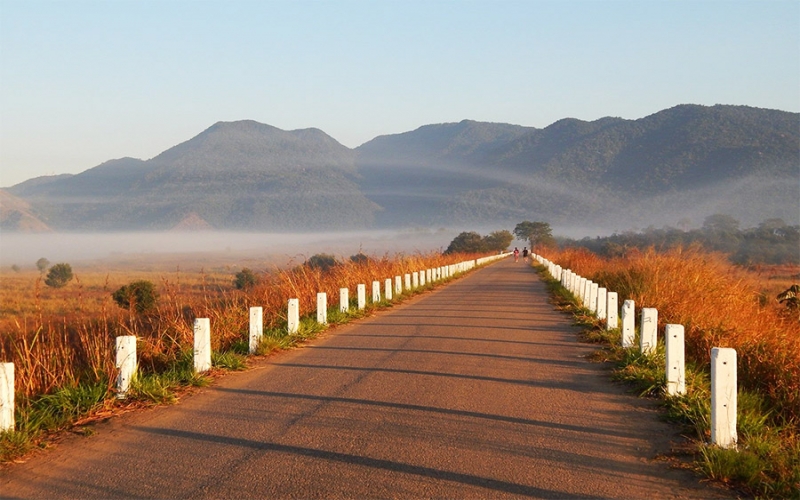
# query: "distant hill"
{"points": [[17, 215], [685, 162]]}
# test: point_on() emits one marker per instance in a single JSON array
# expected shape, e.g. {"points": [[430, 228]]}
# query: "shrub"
{"points": [[359, 258], [59, 275], [42, 264], [322, 261], [245, 279], [140, 296]]}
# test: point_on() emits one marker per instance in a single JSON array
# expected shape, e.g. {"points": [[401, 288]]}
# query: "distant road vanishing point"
{"points": [[476, 390]]}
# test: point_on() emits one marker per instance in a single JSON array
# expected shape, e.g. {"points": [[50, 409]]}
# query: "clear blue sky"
{"points": [[82, 82]]}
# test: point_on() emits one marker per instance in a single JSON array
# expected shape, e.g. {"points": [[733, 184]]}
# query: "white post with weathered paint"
{"points": [[376, 291], [202, 345], [593, 297], [6, 397], [582, 290], [344, 300], [612, 311], [361, 292], [648, 330], [723, 397], [293, 316], [322, 308], [676, 370], [125, 347], [422, 278], [587, 293], [628, 323], [428, 275], [415, 279], [387, 286], [256, 328], [398, 285], [601, 302], [407, 278]]}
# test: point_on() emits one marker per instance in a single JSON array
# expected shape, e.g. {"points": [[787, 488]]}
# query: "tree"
{"points": [[42, 264], [721, 223], [359, 258], [15, 268], [322, 261], [245, 279], [139, 296], [466, 242], [59, 275], [497, 241], [537, 233]]}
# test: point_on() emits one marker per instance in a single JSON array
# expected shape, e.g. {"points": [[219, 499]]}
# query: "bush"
{"points": [[42, 264], [321, 261], [359, 258], [245, 279], [59, 275], [140, 296]]}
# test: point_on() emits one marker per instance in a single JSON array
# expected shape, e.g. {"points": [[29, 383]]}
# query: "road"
{"points": [[476, 390]]}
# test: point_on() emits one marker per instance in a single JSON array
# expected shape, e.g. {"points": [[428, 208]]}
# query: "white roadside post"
{"points": [[293, 316], [398, 285], [322, 308], [422, 278], [428, 275], [376, 291], [601, 303], [407, 281], [593, 297], [415, 279], [256, 327], [628, 328], [648, 330], [202, 345], [723, 397], [125, 363], [676, 371], [582, 290], [344, 299], [387, 286], [612, 310], [6, 397], [362, 296]]}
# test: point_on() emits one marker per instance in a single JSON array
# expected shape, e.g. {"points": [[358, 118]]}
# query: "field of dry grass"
{"points": [[720, 305]]}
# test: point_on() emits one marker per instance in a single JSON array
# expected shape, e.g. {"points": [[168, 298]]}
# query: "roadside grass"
{"points": [[65, 367], [766, 462]]}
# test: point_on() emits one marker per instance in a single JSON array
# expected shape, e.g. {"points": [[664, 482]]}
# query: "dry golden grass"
{"points": [[62, 337], [718, 304]]}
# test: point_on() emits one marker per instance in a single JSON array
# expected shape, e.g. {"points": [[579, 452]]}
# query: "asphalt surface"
{"points": [[476, 390]]}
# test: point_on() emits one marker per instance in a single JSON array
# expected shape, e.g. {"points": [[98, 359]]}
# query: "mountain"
{"points": [[240, 175], [684, 162], [17, 215]]}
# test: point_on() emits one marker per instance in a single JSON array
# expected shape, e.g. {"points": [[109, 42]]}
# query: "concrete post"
{"points": [[676, 371], [628, 328], [293, 316], [6, 397], [601, 302], [415, 279], [256, 327], [322, 308], [407, 281], [398, 285], [612, 310], [723, 397], [422, 278], [428, 276], [344, 300], [125, 363], [202, 345], [587, 293], [593, 297], [376, 292], [362, 296], [387, 289], [648, 336], [582, 291]]}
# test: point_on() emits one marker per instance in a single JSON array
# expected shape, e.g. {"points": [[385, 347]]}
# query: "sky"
{"points": [[83, 82]]}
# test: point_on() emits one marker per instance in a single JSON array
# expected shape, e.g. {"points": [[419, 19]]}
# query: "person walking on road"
{"points": [[516, 254], [525, 254]]}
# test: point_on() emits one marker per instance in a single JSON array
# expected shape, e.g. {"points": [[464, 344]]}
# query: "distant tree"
{"points": [[721, 223], [42, 264], [139, 296], [537, 233], [497, 241], [466, 242], [245, 279], [15, 268], [59, 275], [359, 258], [322, 261]]}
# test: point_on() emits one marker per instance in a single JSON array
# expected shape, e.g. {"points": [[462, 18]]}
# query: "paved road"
{"points": [[476, 390]]}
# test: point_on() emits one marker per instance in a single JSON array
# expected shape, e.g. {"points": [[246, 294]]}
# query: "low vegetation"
{"points": [[61, 340], [719, 305]]}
